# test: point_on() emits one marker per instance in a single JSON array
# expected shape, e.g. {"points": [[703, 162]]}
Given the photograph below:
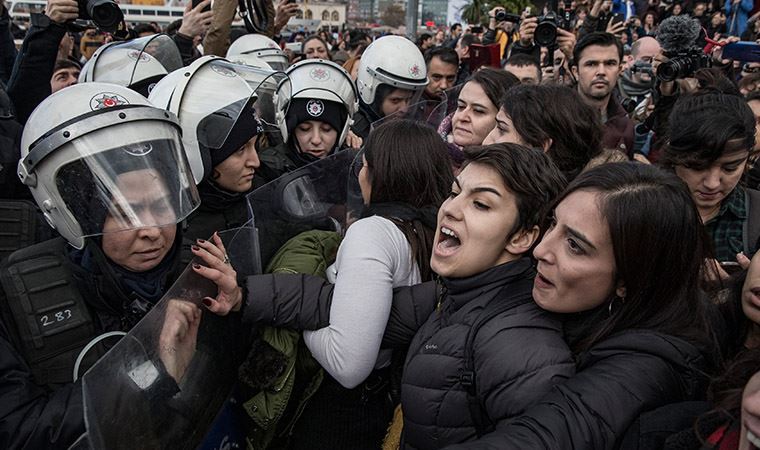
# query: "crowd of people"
{"points": [[550, 247]]}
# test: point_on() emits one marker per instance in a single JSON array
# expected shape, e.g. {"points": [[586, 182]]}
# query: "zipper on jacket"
{"points": [[441, 293]]}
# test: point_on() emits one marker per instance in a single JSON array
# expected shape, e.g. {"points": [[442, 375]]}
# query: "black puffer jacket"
{"points": [[518, 355], [618, 379]]}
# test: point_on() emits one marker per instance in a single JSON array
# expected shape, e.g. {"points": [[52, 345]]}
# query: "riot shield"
{"points": [[430, 112], [162, 385], [312, 197]]}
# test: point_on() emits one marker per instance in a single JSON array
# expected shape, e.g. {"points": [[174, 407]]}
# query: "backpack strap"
{"points": [[751, 228], [502, 302]]}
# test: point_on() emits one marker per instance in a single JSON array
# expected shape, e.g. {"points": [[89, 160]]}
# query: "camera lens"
{"points": [[545, 34], [501, 15], [105, 13]]}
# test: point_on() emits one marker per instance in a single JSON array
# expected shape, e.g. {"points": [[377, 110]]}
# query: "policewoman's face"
{"points": [[145, 200], [316, 138], [235, 173]]}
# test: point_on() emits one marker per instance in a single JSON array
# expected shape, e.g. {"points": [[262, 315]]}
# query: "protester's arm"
{"points": [[7, 47], [30, 82], [194, 23], [370, 256], [217, 39], [412, 305]]}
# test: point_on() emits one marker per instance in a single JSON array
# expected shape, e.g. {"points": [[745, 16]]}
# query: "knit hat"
{"points": [[224, 131], [304, 109]]}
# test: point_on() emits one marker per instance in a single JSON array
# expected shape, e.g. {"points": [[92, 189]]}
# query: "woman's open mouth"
{"points": [[448, 242]]}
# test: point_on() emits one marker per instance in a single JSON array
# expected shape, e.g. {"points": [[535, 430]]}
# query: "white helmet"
{"points": [[251, 60], [391, 60], [220, 107], [261, 46], [99, 158], [322, 91], [137, 64]]}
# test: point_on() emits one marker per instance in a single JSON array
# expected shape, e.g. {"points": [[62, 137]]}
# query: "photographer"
{"points": [[501, 29], [552, 65], [637, 81], [30, 81]]}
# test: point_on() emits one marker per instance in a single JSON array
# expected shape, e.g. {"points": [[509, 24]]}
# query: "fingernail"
{"points": [[195, 247], [207, 302], [196, 266], [201, 241]]}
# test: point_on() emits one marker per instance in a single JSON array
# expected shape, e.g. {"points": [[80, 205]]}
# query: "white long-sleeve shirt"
{"points": [[373, 258]]}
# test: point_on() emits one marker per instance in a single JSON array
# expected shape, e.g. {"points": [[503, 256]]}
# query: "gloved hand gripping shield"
{"points": [[220, 105], [162, 385], [137, 64]]}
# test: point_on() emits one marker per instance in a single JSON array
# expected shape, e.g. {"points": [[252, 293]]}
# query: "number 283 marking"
{"points": [[56, 317]]}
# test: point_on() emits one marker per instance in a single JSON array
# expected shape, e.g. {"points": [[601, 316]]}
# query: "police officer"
{"points": [[110, 175], [392, 76], [314, 114]]}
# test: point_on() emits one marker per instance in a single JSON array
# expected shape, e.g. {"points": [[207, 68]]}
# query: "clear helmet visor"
{"points": [[137, 64], [248, 106], [429, 112], [147, 183]]}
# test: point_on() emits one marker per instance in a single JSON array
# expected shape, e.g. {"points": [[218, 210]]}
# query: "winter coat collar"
{"points": [[461, 291]]}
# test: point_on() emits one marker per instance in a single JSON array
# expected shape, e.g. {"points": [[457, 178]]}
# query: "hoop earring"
{"points": [[611, 308]]}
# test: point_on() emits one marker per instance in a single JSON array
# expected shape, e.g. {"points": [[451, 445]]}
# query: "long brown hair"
{"points": [[408, 163]]}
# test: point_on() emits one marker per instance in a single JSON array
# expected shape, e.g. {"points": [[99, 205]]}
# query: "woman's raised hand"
{"points": [[218, 269]]}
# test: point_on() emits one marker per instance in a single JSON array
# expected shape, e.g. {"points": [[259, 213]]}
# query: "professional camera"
{"points": [[503, 16], [106, 14], [684, 64], [546, 30], [643, 67]]}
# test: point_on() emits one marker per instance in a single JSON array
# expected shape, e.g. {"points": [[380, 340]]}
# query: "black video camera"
{"points": [[503, 16], [683, 65], [106, 14], [643, 67], [546, 30]]}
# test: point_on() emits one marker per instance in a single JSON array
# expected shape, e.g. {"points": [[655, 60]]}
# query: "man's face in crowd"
{"points": [[441, 76], [648, 48], [526, 74], [63, 78], [597, 71], [456, 31], [463, 52], [607, 6]]}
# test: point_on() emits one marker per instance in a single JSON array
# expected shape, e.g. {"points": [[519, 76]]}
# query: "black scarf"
{"points": [[215, 198], [427, 215], [118, 292]]}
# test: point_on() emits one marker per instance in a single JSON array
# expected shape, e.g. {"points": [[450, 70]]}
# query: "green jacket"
{"points": [[270, 410]]}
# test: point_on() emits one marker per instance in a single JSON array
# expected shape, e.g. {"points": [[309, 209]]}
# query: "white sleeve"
{"points": [[373, 250]]}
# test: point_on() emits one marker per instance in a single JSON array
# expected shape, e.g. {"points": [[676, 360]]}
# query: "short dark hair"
{"points": [[144, 28], [527, 173], [602, 39], [658, 256], [703, 126], [424, 37], [523, 60], [494, 82], [455, 26], [573, 126], [66, 64], [445, 54], [409, 163], [468, 39]]}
